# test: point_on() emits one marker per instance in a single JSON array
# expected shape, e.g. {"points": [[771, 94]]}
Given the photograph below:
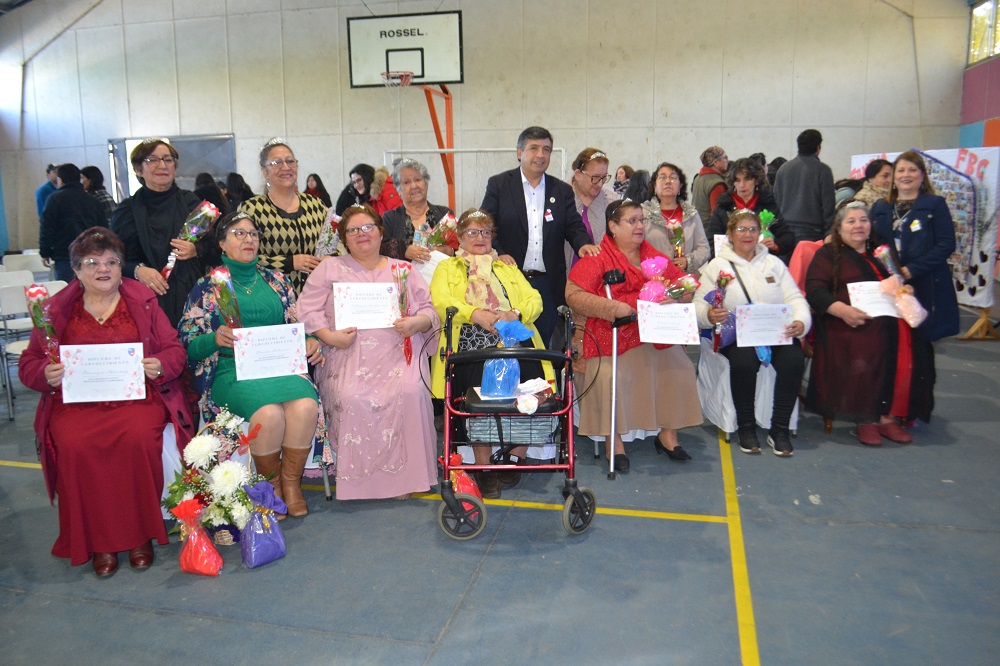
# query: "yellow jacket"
{"points": [[448, 287]]}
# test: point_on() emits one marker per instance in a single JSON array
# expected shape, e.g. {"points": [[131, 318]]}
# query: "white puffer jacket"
{"points": [[766, 278]]}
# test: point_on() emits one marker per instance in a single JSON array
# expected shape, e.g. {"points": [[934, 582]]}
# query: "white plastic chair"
{"points": [[716, 395], [23, 278], [28, 262]]}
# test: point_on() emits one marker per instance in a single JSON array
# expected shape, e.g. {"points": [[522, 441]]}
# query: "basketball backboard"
{"points": [[429, 45]]}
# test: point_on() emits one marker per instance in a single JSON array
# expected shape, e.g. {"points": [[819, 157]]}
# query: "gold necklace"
{"points": [[253, 284], [106, 313]]}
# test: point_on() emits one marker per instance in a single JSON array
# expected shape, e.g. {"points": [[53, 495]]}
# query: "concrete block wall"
{"points": [[644, 80]]}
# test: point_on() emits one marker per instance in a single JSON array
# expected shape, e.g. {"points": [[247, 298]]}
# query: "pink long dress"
{"points": [[378, 409]]}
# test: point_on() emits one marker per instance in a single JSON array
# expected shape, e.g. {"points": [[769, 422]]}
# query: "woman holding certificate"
{"points": [[287, 407], [373, 315], [103, 459], [863, 367], [660, 393], [758, 277]]}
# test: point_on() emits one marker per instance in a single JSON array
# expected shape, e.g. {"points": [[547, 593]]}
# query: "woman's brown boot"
{"points": [[269, 465], [293, 462]]}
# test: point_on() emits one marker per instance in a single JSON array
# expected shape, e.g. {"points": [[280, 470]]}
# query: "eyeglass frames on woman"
{"points": [[747, 230], [594, 180], [472, 233], [288, 162], [240, 234], [363, 229], [93, 264], [154, 160]]}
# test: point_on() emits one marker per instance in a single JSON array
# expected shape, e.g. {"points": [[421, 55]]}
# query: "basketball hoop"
{"points": [[394, 83]]}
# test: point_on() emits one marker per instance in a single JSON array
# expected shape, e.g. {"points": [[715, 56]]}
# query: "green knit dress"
{"points": [[259, 306]]}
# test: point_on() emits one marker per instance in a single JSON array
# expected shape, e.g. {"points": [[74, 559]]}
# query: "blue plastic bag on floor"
{"points": [[502, 375]]}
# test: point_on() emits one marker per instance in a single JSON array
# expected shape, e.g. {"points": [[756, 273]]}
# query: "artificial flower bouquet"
{"points": [[401, 275], [909, 308], [675, 234], [38, 307], [445, 233], [195, 226], [682, 286], [225, 297], [724, 333]]}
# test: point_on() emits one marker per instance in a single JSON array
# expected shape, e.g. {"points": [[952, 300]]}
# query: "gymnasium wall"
{"points": [[643, 80]]}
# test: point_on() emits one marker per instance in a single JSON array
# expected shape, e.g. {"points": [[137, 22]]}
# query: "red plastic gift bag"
{"points": [[198, 554]]}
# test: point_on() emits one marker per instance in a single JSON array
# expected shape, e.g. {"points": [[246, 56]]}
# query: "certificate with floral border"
{"points": [[103, 373], [762, 325], [667, 323], [269, 351], [365, 305], [870, 299]]}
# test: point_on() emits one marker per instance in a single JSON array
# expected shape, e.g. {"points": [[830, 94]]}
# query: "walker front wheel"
{"points": [[466, 525], [576, 518]]}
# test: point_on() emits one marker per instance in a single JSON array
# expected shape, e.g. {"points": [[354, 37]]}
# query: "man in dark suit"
{"points": [[535, 215], [67, 212]]}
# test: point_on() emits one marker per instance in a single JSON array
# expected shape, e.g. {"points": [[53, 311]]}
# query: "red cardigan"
{"points": [[159, 340]]}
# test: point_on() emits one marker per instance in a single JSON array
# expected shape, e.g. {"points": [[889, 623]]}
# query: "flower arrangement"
{"points": [[682, 286], [883, 254], [718, 295], [400, 275], [225, 297], [653, 268], [216, 482], [197, 223], [38, 307], [675, 233], [445, 233]]}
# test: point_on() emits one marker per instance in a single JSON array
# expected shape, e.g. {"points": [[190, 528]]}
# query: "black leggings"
{"points": [[788, 361]]}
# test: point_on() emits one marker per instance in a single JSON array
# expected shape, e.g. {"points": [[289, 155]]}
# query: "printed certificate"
{"points": [[103, 373], [428, 267], [667, 323], [365, 305], [718, 241], [867, 297], [762, 324], [270, 351]]}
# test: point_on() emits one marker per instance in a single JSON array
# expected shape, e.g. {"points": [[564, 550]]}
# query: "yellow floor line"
{"points": [[741, 577], [13, 463]]}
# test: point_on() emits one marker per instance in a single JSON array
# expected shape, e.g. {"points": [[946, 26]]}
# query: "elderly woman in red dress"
{"points": [[661, 392], [103, 459]]}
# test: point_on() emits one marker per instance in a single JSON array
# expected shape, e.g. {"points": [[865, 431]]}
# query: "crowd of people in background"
{"points": [[534, 243]]}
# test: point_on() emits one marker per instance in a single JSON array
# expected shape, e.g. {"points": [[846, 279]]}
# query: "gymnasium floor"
{"points": [[839, 555]]}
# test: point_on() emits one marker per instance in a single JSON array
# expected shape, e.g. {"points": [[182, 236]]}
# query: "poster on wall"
{"points": [[969, 180]]}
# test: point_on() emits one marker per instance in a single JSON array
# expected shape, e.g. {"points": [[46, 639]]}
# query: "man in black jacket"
{"points": [[68, 211], [535, 215]]}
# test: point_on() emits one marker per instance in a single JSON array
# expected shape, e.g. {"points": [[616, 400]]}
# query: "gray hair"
{"points": [[401, 163]]}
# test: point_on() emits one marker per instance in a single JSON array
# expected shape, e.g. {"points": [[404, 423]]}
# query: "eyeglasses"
{"points": [[664, 178], [594, 180], [747, 230], [363, 229], [154, 160], [472, 233], [93, 264], [632, 220], [240, 234], [288, 162]]}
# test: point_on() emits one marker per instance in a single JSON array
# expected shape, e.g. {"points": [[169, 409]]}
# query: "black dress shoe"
{"points": [[105, 564], [677, 454], [141, 557], [621, 463]]}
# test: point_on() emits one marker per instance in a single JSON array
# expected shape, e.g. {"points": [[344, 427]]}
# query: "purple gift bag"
{"points": [[261, 540]]}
